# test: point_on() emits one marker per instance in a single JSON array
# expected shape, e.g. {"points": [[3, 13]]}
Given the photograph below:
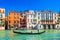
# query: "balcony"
{"points": [[59, 15], [2, 18], [58, 20], [46, 20]]}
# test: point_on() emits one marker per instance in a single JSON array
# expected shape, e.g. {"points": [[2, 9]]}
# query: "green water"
{"points": [[48, 35]]}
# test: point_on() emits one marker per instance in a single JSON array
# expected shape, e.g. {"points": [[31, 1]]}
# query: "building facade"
{"points": [[47, 19], [6, 23], [2, 17], [58, 21], [32, 18], [13, 19], [23, 23], [43, 19]]}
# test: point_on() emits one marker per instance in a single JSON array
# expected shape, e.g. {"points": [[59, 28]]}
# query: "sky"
{"points": [[21, 5]]}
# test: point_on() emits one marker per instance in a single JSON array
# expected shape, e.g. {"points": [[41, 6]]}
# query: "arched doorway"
{"points": [[53, 26], [6, 25], [48, 26], [44, 26]]}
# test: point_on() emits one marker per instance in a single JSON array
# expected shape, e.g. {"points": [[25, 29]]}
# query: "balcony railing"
{"points": [[58, 20], [46, 20], [58, 14]]}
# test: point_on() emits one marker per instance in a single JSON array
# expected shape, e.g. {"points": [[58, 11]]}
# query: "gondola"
{"points": [[27, 33]]}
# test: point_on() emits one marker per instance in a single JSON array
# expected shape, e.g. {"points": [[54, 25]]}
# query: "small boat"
{"points": [[28, 32]]}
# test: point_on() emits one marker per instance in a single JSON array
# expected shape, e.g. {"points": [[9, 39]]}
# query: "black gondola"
{"points": [[28, 33]]}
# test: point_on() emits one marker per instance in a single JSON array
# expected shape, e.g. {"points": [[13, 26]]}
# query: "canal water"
{"points": [[48, 35]]}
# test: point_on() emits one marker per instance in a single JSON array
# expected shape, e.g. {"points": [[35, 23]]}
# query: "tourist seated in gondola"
{"points": [[16, 28], [38, 30], [31, 31]]}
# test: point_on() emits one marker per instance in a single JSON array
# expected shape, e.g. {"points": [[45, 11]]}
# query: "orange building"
{"points": [[14, 18]]}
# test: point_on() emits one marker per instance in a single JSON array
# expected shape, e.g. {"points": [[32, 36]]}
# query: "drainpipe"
{"points": [[8, 22], [59, 25]]}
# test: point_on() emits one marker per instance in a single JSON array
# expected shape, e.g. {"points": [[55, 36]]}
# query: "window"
{"points": [[31, 15], [55, 21], [21, 20], [21, 16], [58, 19], [0, 10], [9, 13], [51, 14], [17, 21], [28, 20], [25, 16], [9, 21], [34, 20], [3, 11], [0, 15], [14, 13], [38, 17], [17, 13], [55, 14], [59, 15], [24, 23], [9, 17], [14, 21], [55, 17], [34, 16], [14, 17], [31, 20], [51, 18], [38, 13], [18, 17], [0, 21]]}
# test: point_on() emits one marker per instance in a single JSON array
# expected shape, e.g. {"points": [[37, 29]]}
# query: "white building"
{"points": [[58, 20], [47, 19], [2, 18], [44, 19], [32, 18]]}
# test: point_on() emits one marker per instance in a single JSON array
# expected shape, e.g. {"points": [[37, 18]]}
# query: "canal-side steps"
{"points": [[28, 32]]}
